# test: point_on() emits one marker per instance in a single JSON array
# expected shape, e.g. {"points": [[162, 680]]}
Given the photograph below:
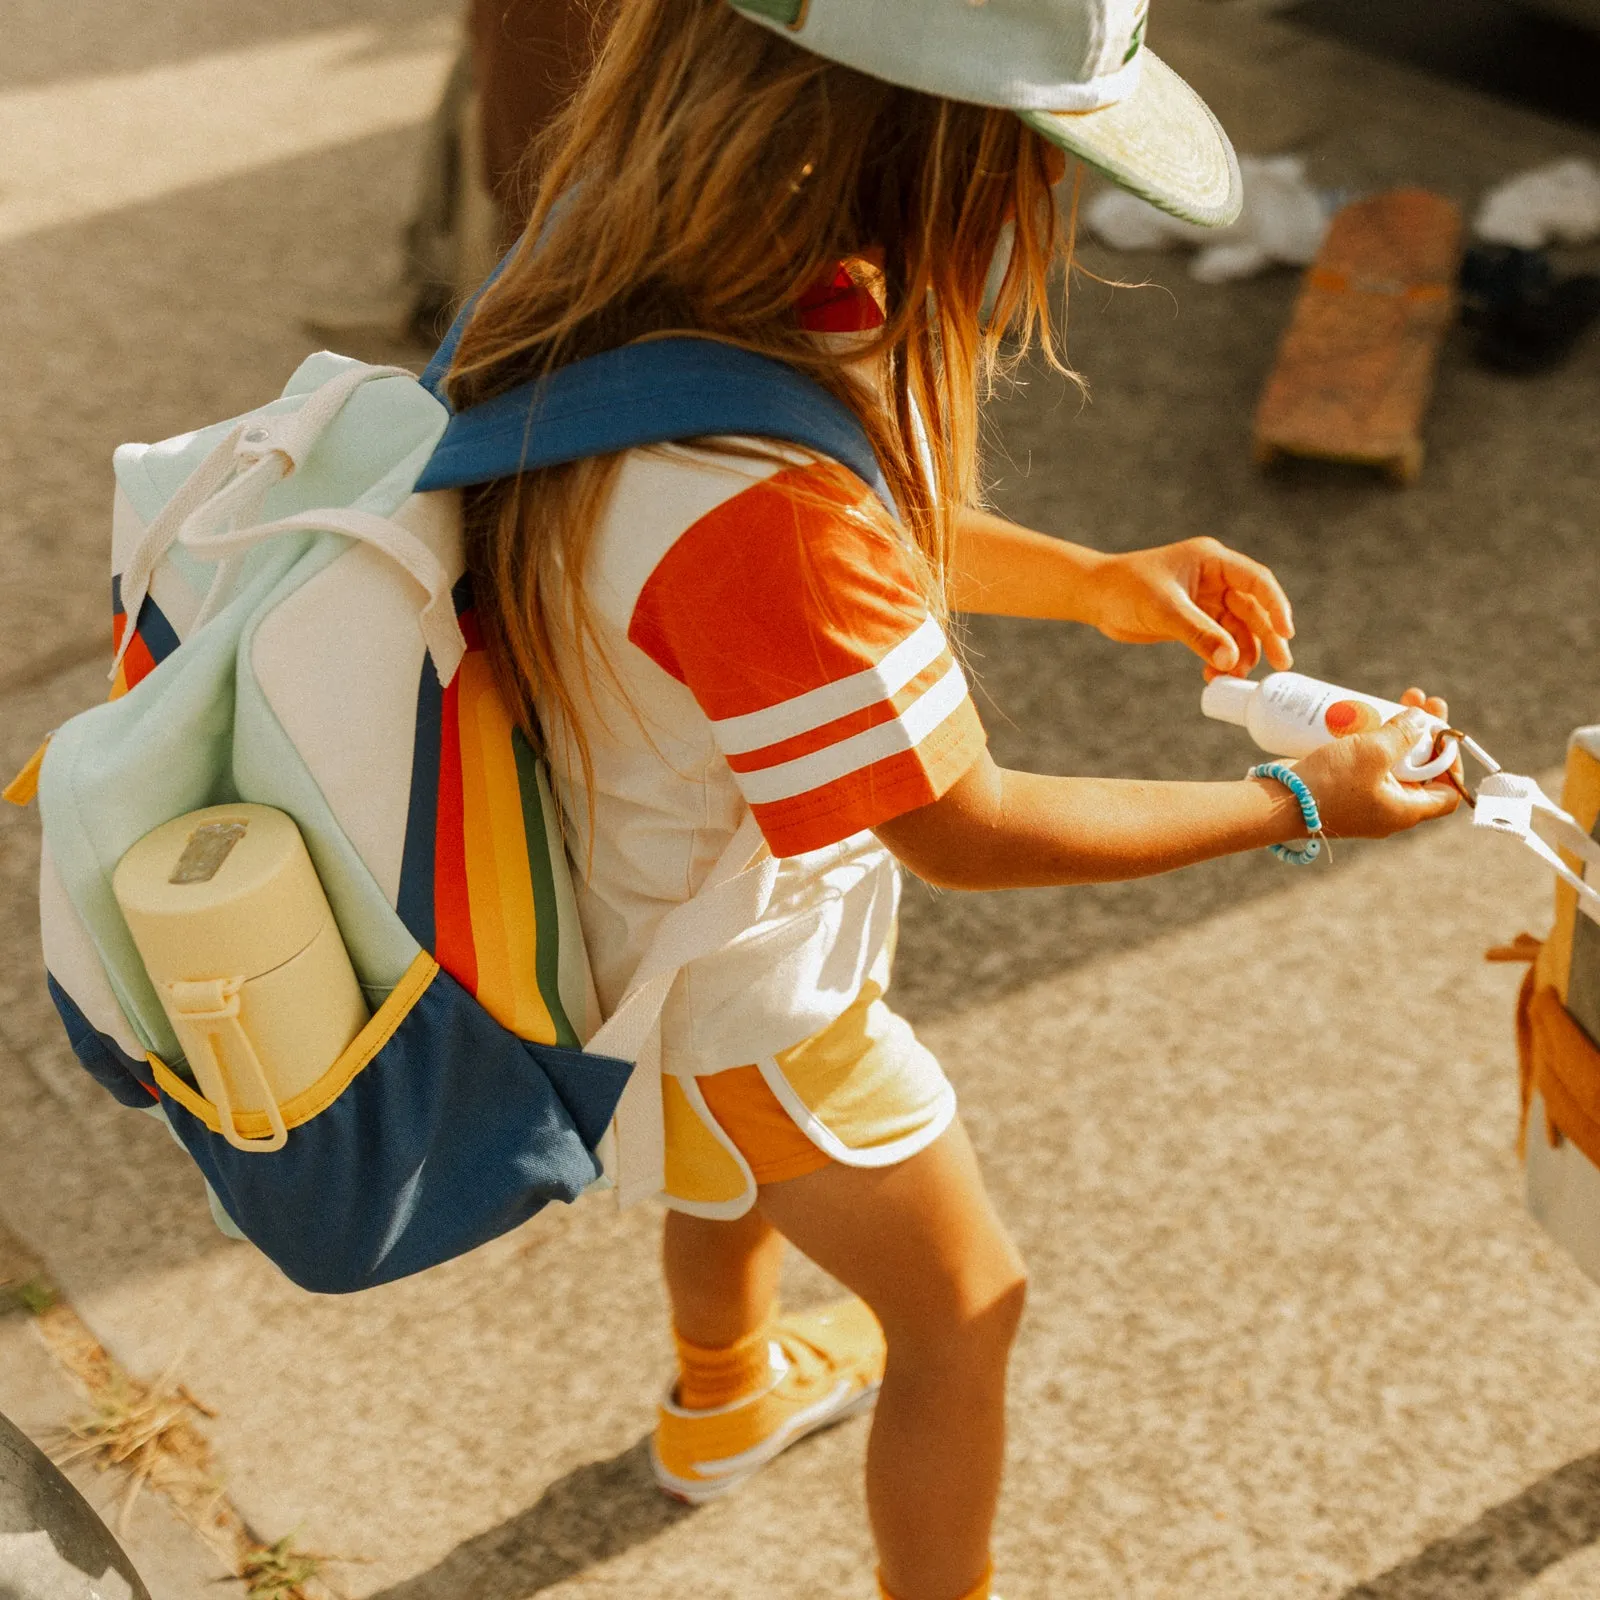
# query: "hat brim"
{"points": [[1162, 143]]}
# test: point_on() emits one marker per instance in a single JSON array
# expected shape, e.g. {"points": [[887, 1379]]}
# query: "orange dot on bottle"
{"points": [[1345, 717]]}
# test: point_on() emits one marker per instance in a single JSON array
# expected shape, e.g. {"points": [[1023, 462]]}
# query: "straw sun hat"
{"points": [[1076, 70]]}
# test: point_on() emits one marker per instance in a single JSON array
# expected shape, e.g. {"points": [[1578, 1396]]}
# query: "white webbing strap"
{"points": [[731, 901], [441, 629], [293, 434], [232, 484], [238, 502], [1510, 803], [213, 474]]}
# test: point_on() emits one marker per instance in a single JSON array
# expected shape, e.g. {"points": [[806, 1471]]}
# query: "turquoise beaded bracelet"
{"points": [[1296, 785]]}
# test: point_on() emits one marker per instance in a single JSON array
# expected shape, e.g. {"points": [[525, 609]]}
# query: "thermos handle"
{"points": [[210, 1012]]}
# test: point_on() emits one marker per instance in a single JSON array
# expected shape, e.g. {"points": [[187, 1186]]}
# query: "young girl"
{"points": [[699, 633]]}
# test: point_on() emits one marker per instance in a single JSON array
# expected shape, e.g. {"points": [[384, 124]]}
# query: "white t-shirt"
{"points": [[771, 651]]}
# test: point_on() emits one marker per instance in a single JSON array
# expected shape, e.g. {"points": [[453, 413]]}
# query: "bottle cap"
{"points": [[225, 892], [1228, 699]]}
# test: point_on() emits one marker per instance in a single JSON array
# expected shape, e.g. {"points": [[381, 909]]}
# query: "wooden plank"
{"points": [[1355, 370]]}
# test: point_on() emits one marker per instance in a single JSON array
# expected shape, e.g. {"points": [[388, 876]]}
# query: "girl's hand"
{"points": [[1227, 608], [1354, 784]]}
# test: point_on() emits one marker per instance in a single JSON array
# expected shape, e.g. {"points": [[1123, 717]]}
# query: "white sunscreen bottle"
{"points": [[1289, 714]]}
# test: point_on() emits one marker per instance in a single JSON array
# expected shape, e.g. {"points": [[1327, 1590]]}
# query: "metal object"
{"points": [[52, 1544]]}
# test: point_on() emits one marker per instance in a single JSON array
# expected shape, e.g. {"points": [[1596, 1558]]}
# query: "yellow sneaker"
{"points": [[826, 1365]]}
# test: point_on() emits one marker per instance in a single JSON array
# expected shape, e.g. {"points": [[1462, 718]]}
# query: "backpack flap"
{"points": [[305, 640]]}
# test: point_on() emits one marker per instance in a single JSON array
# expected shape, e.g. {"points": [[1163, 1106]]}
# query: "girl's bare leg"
{"points": [[921, 1244], [722, 1277]]}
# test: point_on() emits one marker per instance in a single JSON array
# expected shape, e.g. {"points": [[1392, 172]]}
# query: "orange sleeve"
{"points": [[797, 624]]}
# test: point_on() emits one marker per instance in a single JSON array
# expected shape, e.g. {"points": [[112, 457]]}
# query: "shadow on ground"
{"points": [[130, 36], [593, 1514], [1496, 46], [1502, 1552]]}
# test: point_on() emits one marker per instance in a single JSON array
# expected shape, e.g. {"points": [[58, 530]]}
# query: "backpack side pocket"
{"points": [[436, 1131]]}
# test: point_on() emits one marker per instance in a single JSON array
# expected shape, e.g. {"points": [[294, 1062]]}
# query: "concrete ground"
{"points": [[1291, 1333]]}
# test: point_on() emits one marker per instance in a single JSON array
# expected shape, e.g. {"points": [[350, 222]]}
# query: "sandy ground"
{"points": [[1290, 1332]]}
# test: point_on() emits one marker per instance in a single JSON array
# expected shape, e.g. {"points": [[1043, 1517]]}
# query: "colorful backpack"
{"points": [[294, 628]]}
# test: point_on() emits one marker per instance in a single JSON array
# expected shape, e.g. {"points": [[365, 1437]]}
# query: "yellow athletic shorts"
{"points": [[864, 1092]]}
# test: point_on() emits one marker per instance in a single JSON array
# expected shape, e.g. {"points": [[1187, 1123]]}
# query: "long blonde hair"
{"points": [[708, 175]]}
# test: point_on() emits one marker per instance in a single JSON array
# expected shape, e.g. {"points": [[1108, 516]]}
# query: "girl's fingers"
{"points": [[1206, 636], [1430, 800], [1255, 616], [1431, 703], [1421, 802], [1278, 653], [1248, 610], [1256, 581], [1249, 645]]}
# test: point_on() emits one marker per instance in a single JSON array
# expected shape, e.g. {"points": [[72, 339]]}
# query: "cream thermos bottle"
{"points": [[237, 936]]}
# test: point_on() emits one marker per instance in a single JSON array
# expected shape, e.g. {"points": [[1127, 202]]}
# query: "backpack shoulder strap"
{"points": [[656, 392], [643, 394]]}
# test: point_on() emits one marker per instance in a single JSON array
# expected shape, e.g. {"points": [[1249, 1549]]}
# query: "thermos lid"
{"points": [[225, 892], [1228, 699]]}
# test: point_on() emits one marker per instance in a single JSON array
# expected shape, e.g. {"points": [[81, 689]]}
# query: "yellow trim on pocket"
{"points": [[316, 1099]]}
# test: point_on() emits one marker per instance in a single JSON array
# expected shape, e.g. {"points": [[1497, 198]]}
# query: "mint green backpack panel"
{"points": [[369, 458], [268, 769], [196, 733], [118, 770]]}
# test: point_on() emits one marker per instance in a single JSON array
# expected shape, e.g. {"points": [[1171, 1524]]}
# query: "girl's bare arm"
{"points": [[1002, 829], [1001, 569], [1226, 607]]}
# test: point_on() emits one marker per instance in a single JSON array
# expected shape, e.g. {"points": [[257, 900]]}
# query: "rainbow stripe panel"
{"points": [[477, 881], [154, 640]]}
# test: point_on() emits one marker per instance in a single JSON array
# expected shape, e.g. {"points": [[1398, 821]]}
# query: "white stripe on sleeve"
{"points": [[755, 730], [834, 761]]}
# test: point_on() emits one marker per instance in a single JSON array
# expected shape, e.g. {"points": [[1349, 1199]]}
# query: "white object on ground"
{"points": [[1284, 221], [1554, 204]]}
